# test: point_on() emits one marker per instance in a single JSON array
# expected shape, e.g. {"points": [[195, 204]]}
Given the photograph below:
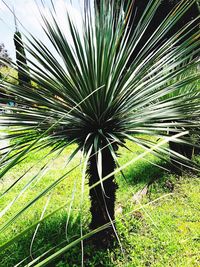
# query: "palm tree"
{"points": [[86, 95]]}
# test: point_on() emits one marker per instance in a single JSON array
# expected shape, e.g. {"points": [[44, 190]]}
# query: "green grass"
{"points": [[165, 232]]}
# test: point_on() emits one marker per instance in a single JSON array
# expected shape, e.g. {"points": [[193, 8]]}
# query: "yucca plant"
{"points": [[86, 95]]}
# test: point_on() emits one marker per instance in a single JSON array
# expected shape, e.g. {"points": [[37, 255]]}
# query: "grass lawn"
{"points": [[160, 229]]}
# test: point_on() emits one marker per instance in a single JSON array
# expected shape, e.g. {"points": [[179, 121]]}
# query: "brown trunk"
{"points": [[183, 149], [102, 202]]}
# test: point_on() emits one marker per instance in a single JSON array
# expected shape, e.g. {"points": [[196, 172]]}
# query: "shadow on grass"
{"points": [[52, 233], [145, 173]]}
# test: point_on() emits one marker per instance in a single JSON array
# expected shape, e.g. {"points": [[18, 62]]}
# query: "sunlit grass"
{"points": [[166, 230]]}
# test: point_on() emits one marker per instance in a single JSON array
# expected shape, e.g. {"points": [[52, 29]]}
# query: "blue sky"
{"points": [[27, 13]]}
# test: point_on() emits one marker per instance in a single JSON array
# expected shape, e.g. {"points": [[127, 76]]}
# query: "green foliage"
{"points": [[9, 74]]}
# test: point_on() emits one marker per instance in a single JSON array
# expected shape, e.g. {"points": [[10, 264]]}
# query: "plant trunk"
{"points": [[183, 149], [196, 151], [102, 202]]}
